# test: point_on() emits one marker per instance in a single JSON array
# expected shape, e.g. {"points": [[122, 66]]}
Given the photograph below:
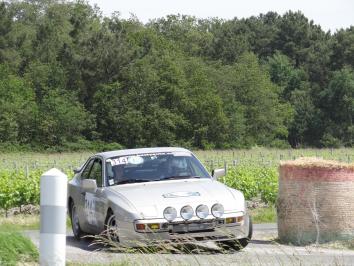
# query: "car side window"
{"points": [[96, 172], [197, 168], [86, 172]]}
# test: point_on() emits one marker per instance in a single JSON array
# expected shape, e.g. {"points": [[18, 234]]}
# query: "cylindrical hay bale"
{"points": [[315, 201], [53, 185]]}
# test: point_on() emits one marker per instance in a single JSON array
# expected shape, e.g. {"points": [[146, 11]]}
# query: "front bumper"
{"points": [[184, 232]]}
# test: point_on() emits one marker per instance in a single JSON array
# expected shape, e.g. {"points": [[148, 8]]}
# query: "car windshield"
{"points": [[153, 167]]}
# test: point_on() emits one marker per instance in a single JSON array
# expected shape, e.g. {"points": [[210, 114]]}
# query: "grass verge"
{"points": [[16, 249], [264, 215], [24, 222]]}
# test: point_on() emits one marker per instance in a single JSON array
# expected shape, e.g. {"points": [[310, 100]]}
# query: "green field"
{"points": [[23, 161], [254, 171]]}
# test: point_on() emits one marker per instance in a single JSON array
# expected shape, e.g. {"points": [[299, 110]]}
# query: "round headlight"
{"points": [[170, 214], [187, 212], [217, 210], [202, 211]]}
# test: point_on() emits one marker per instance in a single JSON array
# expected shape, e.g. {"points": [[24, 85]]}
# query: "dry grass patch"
{"points": [[20, 222], [264, 215], [340, 244], [313, 162]]}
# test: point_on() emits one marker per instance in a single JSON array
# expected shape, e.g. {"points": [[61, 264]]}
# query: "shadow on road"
{"points": [[85, 243]]}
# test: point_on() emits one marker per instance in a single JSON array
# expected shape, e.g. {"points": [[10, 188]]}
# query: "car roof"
{"points": [[109, 154]]}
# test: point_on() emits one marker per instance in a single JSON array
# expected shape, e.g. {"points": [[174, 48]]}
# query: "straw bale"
{"points": [[315, 201]]}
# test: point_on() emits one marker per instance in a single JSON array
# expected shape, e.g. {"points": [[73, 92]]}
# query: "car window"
{"points": [[153, 167], [197, 168], [85, 173], [96, 172]]}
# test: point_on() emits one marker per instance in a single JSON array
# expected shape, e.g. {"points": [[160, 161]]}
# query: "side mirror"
{"points": [[218, 173], [89, 185]]}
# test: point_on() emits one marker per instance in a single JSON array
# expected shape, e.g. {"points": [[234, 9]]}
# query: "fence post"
{"points": [[52, 245], [211, 165], [27, 171], [225, 167]]}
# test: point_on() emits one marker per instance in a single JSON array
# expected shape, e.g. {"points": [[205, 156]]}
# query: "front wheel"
{"points": [[75, 221], [239, 244], [111, 227]]}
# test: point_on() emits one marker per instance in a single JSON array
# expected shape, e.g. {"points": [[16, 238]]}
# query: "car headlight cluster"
{"points": [[187, 212], [170, 214], [217, 210], [202, 211]]}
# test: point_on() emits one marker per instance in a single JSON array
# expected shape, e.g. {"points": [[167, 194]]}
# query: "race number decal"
{"points": [[90, 205], [118, 161]]}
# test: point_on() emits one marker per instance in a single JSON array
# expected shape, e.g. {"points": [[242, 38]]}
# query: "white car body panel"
{"points": [[146, 202]]}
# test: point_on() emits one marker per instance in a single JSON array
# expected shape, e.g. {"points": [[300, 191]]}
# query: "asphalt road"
{"points": [[261, 251]]}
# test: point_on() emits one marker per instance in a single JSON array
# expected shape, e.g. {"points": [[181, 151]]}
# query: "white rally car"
{"points": [[140, 196]]}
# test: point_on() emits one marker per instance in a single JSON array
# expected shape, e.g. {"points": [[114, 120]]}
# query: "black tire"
{"points": [[239, 244], [75, 225], [111, 227], [250, 226]]}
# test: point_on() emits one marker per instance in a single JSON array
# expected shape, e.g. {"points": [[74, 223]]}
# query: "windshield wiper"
{"points": [[132, 181], [180, 177]]}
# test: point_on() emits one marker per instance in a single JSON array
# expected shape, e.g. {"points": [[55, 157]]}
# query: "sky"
{"points": [[329, 14]]}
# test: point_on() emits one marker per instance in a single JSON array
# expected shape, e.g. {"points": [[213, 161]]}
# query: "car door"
{"points": [[94, 202], [81, 202]]}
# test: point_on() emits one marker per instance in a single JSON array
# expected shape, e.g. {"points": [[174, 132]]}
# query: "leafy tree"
{"points": [[17, 108], [70, 76], [203, 108], [266, 118], [264, 30], [191, 34], [338, 105], [343, 48], [61, 119], [306, 120], [230, 40], [285, 75], [5, 28]]}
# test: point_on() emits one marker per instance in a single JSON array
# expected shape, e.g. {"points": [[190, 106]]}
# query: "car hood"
{"points": [[150, 199]]}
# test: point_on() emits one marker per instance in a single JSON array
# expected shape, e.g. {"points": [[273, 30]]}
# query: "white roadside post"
{"points": [[53, 186]]}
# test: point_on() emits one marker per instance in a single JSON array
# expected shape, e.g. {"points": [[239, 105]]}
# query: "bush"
{"points": [[268, 184], [16, 189], [85, 145], [254, 181], [329, 141], [243, 178]]}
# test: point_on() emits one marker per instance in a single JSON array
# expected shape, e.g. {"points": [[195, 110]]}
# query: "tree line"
{"points": [[71, 77]]}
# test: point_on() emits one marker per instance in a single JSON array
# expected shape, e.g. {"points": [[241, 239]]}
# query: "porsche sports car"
{"points": [[140, 196]]}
